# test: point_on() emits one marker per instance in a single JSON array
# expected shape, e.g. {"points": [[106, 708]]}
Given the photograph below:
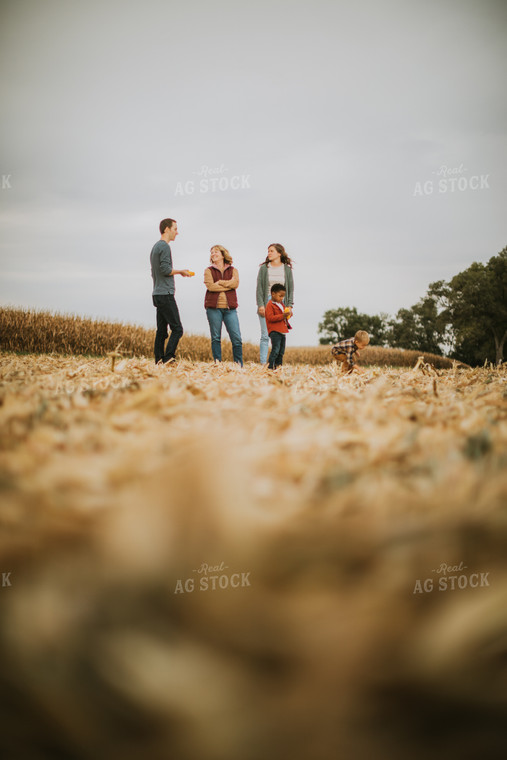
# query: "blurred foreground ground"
{"points": [[214, 563]]}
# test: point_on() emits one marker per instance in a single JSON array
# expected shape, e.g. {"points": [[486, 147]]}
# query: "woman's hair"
{"points": [[284, 256], [225, 253]]}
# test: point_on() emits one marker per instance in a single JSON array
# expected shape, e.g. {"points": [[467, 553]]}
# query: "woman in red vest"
{"points": [[221, 303]]}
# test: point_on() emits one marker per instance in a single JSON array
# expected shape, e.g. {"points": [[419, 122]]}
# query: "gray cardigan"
{"points": [[263, 294]]}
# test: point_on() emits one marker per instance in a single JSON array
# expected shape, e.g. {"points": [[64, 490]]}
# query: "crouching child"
{"points": [[345, 351]]}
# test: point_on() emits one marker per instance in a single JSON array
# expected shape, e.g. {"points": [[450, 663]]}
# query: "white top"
{"points": [[276, 274]]}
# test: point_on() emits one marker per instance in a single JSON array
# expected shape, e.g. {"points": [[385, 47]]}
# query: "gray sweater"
{"points": [[161, 268], [263, 294]]}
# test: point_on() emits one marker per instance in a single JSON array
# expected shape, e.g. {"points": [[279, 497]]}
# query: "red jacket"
{"points": [[275, 319]]}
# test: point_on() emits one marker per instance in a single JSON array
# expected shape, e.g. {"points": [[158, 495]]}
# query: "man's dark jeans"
{"points": [[167, 314], [277, 349]]}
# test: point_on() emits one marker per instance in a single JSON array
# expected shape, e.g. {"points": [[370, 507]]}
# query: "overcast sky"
{"points": [[367, 137]]}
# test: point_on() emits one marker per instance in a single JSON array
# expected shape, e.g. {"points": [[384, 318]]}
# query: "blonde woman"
{"points": [[221, 302]]}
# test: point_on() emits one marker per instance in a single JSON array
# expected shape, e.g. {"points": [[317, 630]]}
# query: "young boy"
{"points": [[277, 325], [344, 351]]}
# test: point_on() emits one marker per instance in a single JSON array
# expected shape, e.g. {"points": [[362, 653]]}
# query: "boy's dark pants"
{"points": [[277, 349], [167, 314]]}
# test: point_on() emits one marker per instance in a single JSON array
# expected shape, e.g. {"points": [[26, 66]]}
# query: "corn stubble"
{"points": [[334, 493]]}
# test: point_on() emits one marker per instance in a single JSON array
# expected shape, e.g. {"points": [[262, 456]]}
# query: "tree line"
{"points": [[464, 319]]}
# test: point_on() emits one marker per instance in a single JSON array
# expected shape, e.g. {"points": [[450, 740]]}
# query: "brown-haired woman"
{"points": [[277, 268], [221, 303]]}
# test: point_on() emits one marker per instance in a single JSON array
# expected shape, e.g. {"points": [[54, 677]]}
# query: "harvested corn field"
{"points": [[42, 332], [211, 562]]}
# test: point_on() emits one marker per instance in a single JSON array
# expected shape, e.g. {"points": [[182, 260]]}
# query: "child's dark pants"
{"points": [[277, 349]]}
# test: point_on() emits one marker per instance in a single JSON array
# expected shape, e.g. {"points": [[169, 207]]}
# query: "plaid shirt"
{"points": [[346, 347]]}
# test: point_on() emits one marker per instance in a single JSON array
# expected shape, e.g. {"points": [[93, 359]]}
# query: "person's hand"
{"points": [[261, 311], [187, 273]]}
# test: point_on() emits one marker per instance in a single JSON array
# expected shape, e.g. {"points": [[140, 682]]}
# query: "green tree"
{"points": [[466, 317], [475, 308], [420, 328], [338, 324]]}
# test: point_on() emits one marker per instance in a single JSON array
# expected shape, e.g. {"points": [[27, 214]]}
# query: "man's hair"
{"points": [[166, 223], [278, 288], [225, 253], [362, 336]]}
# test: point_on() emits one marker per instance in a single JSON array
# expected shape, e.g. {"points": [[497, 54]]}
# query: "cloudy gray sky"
{"points": [[369, 138]]}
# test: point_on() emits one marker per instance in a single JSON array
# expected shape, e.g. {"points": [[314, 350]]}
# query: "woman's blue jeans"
{"points": [[228, 317], [264, 346]]}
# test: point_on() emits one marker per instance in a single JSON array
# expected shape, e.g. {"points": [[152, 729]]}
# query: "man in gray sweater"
{"points": [[163, 273]]}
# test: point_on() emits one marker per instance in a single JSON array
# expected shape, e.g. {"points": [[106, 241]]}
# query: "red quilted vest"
{"points": [[211, 298]]}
